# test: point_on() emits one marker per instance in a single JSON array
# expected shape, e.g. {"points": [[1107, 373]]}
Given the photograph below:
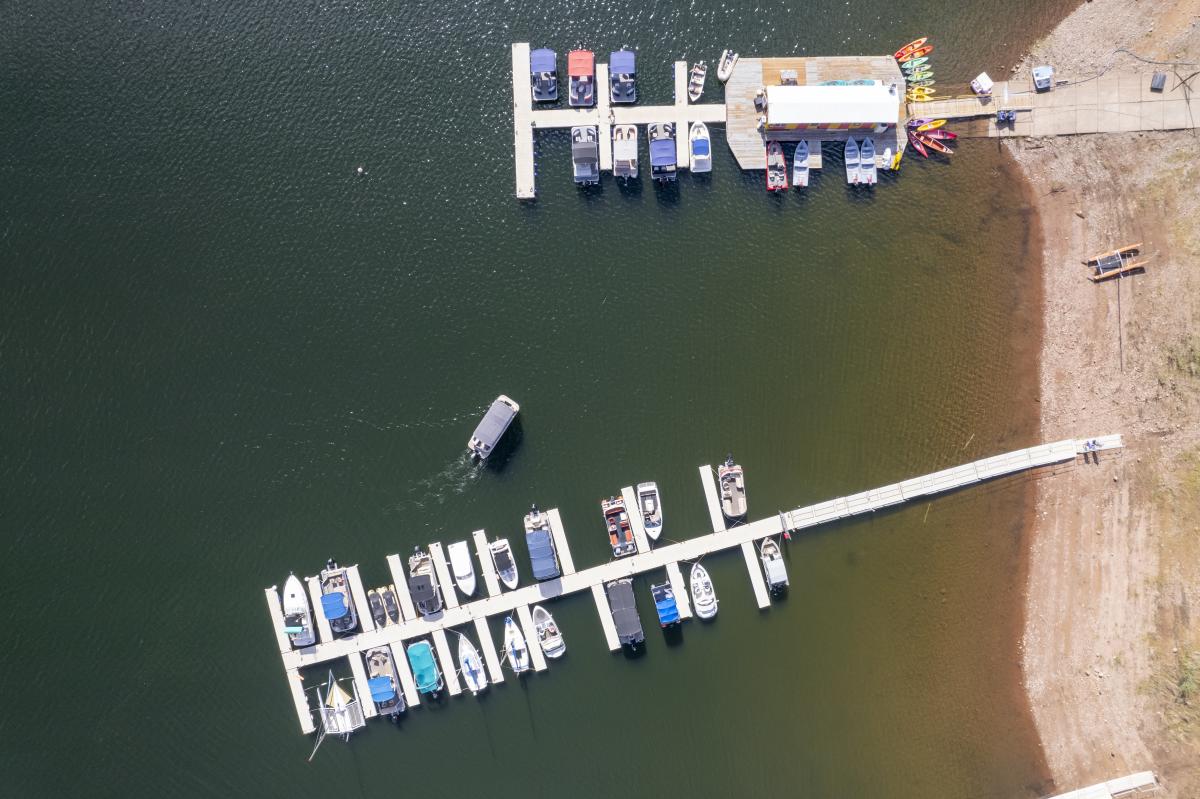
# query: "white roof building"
{"points": [[832, 106]]}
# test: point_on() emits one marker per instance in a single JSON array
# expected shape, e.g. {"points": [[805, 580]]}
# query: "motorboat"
{"points": [[539, 539], [696, 81], [297, 617], [704, 596], [341, 713], [502, 559], [650, 504], [773, 565], [664, 602], [663, 167], [620, 531], [471, 666], [383, 681], [625, 154], [515, 649], [585, 154], [581, 70], [462, 568], [701, 148], [776, 167], [622, 72], [725, 66], [491, 428], [800, 165], [624, 612], [549, 636], [732, 488], [336, 602], [423, 583], [375, 603], [543, 75], [852, 175], [390, 607], [866, 162], [424, 668]]}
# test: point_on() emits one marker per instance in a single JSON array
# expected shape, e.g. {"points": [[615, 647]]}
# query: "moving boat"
{"points": [[491, 428], [624, 612], [664, 603], [336, 603], [389, 604], [616, 520], [514, 646], [540, 540], [696, 81], [800, 165], [462, 568], [502, 559], [931, 125], [622, 70], [776, 167], [470, 665], [423, 584], [375, 603], [704, 596], [908, 48], [650, 504], [625, 156], [383, 681], [773, 566], [912, 139], [424, 668], [701, 148], [581, 70], [341, 714], [852, 175], [933, 144], [548, 633], [917, 53], [297, 618], [733, 489], [866, 162], [543, 75], [585, 154], [725, 66], [662, 151]]}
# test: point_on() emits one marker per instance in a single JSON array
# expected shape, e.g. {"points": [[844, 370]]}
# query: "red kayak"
{"points": [[912, 139], [940, 134], [933, 144], [920, 51], [913, 45]]}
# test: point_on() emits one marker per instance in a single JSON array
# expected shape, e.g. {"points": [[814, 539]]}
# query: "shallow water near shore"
{"points": [[230, 357]]}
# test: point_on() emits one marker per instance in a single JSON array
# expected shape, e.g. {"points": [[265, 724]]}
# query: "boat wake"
{"points": [[451, 480]]}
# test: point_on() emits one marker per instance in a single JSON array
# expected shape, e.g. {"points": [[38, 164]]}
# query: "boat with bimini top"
{"points": [[424, 668], [383, 681], [543, 75], [624, 149], [663, 167], [336, 603], [581, 71], [773, 565], [585, 154], [701, 148], [622, 70], [665, 604]]}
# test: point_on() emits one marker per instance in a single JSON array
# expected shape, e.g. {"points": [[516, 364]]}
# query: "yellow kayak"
{"points": [[921, 90], [934, 125]]}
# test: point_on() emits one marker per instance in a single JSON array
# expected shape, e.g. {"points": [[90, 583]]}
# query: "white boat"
{"points": [[773, 565], [650, 504], [502, 559], [297, 618], [341, 714], [704, 596], [701, 147], [514, 646], [625, 157], [851, 161], [461, 567], [732, 483], [866, 162], [725, 66], [549, 636], [800, 165], [383, 681], [696, 81], [470, 665]]}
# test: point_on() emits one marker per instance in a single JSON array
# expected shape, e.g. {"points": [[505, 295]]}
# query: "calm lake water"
{"points": [[226, 356]]}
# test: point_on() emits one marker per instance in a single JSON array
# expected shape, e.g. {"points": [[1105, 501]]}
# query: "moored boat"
{"points": [[625, 155], [940, 134], [581, 70], [915, 63], [549, 636], [515, 649], [933, 124], [696, 81], [423, 583], [390, 605], [341, 713], [916, 144], [773, 565], [665, 604], [502, 559], [470, 665], [375, 603], [704, 596], [462, 568], [624, 612], [622, 71], [297, 617], [800, 165], [543, 75], [616, 521], [424, 667], [500, 414], [866, 162], [336, 602], [663, 167], [908, 48], [933, 144], [732, 483], [650, 504], [776, 167], [539, 539], [701, 148], [924, 50], [725, 66], [852, 173], [383, 682], [585, 154]]}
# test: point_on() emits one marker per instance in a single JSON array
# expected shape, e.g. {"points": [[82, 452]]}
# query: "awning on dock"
{"points": [[543, 60], [580, 63], [832, 106], [622, 62]]}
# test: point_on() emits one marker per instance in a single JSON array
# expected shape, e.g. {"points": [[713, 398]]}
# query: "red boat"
{"points": [[913, 45], [912, 139], [940, 134], [776, 167], [933, 144], [920, 51]]}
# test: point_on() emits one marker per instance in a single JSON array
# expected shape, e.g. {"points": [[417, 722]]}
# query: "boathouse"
{"points": [[860, 106]]}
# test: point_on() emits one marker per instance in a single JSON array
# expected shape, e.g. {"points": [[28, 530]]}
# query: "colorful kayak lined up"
{"points": [[908, 48], [920, 51], [927, 134]]}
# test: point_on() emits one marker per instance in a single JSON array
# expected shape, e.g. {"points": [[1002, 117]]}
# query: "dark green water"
{"points": [[225, 356]]}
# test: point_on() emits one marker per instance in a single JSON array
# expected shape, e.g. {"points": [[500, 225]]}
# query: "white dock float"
{"points": [[522, 122], [275, 609], [412, 697], [485, 563], [635, 519], [303, 711], [754, 566], [560, 542], [443, 574], [606, 619], [399, 579], [446, 658], [531, 640], [683, 595], [365, 620], [603, 109], [364, 690], [1141, 784], [324, 631], [712, 499], [682, 125], [487, 646]]}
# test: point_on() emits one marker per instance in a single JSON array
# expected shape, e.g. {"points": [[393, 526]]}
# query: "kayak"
{"points": [[912, 139], [933, 144], [920, 51], [940, 134], [916, 123], [909, 66], [913, 45], [921, 91], [924, 74], [918, 98], [934, 125], [916, 84]]}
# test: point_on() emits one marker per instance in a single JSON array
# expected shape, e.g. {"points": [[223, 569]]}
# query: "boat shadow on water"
{"points": [[630, 188], [673, 636], [505, 449]]}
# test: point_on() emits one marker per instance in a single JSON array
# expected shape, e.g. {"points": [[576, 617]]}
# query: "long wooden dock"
{"points": [[592, 579]]}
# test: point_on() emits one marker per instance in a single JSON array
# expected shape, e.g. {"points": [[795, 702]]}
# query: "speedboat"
{"points": [[543, 74], [696, 81], [543, 558], [548, 633], [514, 646], [733, 489], [423, 584], [375, 603], [776, 167], [704, 596], [297, 618], [866, 162], [650, 504], [664, 603], [701, 149], [502, 559], [800, 165], [852, 175], [581, 68], [495, 422], [470, 665], [625, 156], [341, 714], [424, 668], [461, 567], [622, 71], [336, 603], [389, 604], [383, 682], [624, 612], [725, 66], [662, 151], [585, 154], [620, 532], [772, 561]]}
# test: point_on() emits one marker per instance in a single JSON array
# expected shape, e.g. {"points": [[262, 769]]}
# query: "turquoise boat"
{"points": [[425, 670]]}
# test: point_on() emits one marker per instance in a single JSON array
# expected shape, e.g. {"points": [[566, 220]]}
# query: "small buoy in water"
{"points": [[362, 171]]}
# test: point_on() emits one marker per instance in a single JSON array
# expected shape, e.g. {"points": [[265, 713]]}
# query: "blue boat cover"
{"points": [[382, 689], [700, 146], [420, 656], [662, 152], [334, 605], [542, 61], [541, 554], [622, 62], [668, 611]]}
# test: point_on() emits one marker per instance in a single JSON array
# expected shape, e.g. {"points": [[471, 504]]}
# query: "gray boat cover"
{"points": [[662, 152], [542, 61], [624, 612], [494, 423], [622, 62], [585, 152], [541, 554], [421, 588], [776, 573]]}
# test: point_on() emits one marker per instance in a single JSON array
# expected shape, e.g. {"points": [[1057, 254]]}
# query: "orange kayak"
{"points": [[917, 53], [934, 125], [913, 45]]}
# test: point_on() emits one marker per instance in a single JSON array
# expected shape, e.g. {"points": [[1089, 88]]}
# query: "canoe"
{"points": [[934, 125], [909, 66], [912, 139], [913, 45], [933, 144], [920, 51], [940, 134]]}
